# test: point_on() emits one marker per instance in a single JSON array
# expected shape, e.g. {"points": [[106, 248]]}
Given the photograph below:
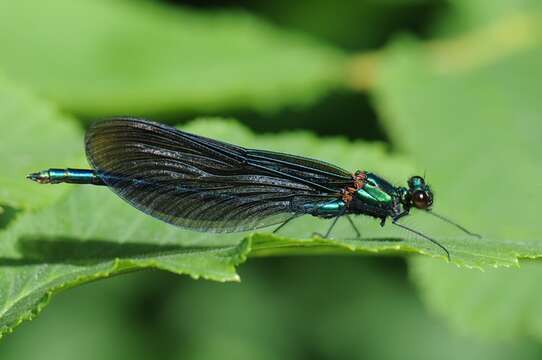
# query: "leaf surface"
{"points": [[91, 234]]}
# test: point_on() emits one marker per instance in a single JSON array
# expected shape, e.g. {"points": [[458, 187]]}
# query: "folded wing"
{"points": [[207, 185]]}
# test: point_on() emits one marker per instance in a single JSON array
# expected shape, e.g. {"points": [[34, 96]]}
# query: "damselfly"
{"points": [[208, 185]]}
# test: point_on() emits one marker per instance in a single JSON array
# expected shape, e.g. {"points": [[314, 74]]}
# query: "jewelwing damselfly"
{"points": [[208, 185]]}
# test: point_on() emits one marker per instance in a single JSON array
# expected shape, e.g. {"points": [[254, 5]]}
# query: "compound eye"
{"points": [[421, 200]]}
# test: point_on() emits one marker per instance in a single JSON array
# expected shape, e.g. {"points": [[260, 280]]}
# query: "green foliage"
{"points": [[467, 15], [476, 128], [92, 234], [501, 304], [110, 57], [465, 108], [362, 25], [84, 323], [372, 312], [34, 136]]}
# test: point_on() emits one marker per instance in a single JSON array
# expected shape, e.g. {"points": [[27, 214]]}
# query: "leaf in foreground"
{"points": [[92, 234]]}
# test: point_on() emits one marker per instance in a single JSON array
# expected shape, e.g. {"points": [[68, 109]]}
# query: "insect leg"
{"points": [[335, 219], [286, 222], [328, 232], [358, 234]]}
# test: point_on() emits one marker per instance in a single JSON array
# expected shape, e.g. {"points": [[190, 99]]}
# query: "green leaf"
{"points": [[91, 233], [90, 316], [87, 236], [111, 57], [270, 315], [373, 312], [34, 136], [466, 15], [477, 130], [481, 253], [501, 304]]}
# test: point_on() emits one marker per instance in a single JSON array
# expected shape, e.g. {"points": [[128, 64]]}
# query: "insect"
{"points": [[207, 185]]}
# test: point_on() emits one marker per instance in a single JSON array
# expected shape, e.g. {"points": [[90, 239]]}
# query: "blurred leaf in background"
{"points": [[468, 15], [473, 119], [91, 322], [352, 24], [98, 58], [35, 135], [286, 308]]}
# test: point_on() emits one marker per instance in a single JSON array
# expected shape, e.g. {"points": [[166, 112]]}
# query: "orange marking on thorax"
{"points": [[359, 179]]}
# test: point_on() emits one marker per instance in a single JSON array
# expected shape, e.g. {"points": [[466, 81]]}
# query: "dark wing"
{"points": [[204, 184]]}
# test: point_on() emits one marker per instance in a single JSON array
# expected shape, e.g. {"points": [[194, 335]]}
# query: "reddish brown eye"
{"points": [[420, 200]]}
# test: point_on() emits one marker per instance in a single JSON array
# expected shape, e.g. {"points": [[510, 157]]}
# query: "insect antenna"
{"points": [[455, 224], [425, 237]]}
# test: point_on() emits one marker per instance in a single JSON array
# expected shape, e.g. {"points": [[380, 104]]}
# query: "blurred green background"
{"points": [[353, 69]]}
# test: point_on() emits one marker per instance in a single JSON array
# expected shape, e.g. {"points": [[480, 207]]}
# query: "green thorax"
{"points": [[376, 191]]}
